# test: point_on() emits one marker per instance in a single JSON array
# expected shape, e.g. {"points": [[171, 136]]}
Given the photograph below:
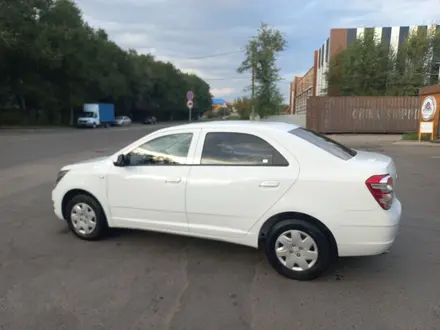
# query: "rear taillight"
{"points": [[381, 187]]}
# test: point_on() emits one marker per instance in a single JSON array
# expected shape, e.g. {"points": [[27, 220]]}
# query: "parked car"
{"points": [[150, 120], [122, 121], [302, 197]]}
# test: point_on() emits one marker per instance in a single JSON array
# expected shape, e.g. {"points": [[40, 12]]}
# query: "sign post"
{"points": [[190, 105], [189, 102], [429, 116]]}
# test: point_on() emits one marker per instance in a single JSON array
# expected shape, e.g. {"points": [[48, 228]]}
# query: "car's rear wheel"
{"points": [[86, 218], [298, 249]]}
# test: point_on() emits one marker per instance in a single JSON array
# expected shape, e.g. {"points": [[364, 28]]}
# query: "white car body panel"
{"points": [[227, 202], [89, 176], [215, 203], [149, 197]]}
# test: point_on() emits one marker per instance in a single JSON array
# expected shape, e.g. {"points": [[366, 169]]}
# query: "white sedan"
{"points": [[303, 198], [122, 121]]}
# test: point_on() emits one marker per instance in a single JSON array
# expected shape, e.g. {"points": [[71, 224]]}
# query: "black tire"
{"points": [[101, 226], [324, 252]]}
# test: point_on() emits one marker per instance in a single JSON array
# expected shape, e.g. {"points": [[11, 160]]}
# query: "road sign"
{"points": [[190, 105], [190, 96]]}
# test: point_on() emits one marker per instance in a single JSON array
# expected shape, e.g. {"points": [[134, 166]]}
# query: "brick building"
{"points": [[338, 40], [301, 89]]}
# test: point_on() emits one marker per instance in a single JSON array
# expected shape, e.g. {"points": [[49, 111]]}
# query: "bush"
{"points": [[414, 136]]}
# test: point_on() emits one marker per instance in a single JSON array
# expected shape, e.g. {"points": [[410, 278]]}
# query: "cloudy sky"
{"points": [[189, 32]]}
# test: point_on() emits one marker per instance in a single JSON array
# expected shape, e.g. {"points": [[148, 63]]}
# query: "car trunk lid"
{"points": [[377, 161]]}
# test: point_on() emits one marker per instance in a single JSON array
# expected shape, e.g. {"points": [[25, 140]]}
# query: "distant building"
{"points": [[339, 39], [218, 104], [301, 89], [314, 82]]}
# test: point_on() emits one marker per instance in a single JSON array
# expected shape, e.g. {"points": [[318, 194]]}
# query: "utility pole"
{"points": [[254, 64], [253, 90], [251, 63]]}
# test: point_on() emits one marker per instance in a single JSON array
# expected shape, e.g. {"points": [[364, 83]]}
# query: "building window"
{"points": [[319, 58], [326, 49]]}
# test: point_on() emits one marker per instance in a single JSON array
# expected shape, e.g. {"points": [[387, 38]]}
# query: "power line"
{"points": [[215, 55], [204, 56], [284, 80]]}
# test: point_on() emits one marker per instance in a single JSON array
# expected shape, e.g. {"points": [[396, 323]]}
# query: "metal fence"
{"points": [[363, 114]]}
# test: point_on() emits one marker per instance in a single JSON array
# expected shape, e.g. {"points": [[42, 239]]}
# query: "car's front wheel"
{"points": [[298, 249], [86, 218]]}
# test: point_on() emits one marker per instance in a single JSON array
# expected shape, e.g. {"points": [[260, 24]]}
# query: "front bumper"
{"points": [[368, 232], [84, 124], [57, 204]]}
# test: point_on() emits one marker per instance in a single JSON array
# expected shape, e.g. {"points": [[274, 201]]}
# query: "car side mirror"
{"points": [[121, 161]]}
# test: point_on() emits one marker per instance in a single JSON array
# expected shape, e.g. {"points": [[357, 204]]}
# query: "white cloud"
{"points": [[291, 75], [360, 13], [220, 92], [141, 3], [181, 30], [132, 40], [185, 33]]}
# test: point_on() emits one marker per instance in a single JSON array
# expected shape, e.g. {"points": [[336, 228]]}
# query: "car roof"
{"points": [[269, 125]]}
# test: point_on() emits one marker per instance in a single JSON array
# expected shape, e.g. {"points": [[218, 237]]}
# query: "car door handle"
{"points": [[173, 180], [269, 184]]}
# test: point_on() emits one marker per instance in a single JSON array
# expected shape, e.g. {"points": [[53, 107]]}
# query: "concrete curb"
{"points": [[33, 129], [416, 144], [57, 129]]}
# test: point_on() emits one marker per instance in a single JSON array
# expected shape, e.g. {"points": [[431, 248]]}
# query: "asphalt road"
{"points": [[140, 280]]}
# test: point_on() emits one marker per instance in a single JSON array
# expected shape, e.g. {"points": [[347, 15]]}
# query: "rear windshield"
{"points": [[335, 148]]}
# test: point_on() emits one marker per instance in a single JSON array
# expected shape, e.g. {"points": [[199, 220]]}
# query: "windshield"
{"points": [[88, 115], [321, 141], [119, 118]]}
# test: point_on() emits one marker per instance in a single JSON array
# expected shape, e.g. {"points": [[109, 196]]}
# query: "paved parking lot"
{"points": [[139, 280]]}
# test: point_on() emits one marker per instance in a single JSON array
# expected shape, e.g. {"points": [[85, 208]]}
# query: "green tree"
{"points": [[363, 68], [415, 64], [260, 59], [52, 62], [367, 67], [243, 106]]}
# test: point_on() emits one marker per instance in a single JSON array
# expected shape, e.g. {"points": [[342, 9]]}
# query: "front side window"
{"points": [[165, 150], [239, 149]]}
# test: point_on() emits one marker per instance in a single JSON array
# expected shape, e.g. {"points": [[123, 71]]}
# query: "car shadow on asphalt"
{"points": [[344, 268], [360, 267], [128, 236]]}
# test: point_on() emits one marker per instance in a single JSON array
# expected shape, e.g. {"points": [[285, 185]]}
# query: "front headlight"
{"points": [[60, 175]]}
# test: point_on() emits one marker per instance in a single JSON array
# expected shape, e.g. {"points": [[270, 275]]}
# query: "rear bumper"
{"points": [[368, 233]]}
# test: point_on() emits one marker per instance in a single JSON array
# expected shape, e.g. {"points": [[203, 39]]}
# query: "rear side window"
{"points": [[239, 149], [321, 141]]}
